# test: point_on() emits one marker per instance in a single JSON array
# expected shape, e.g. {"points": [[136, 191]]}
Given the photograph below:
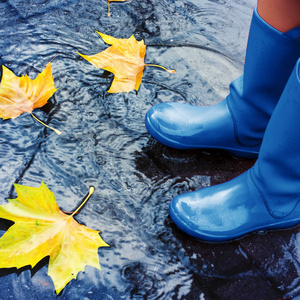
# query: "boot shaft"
{"points": [[270, 58], [276, 173]]}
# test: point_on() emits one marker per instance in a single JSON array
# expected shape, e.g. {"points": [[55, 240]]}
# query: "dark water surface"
{"points": [[105, 144]]}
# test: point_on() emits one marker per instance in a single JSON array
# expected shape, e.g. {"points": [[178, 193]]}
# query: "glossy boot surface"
{"points": [[226, 211], [185, 126], [236, 124], [265, 197]]}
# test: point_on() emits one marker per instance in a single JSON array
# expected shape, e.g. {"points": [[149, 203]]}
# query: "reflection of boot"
{"points": [[267, 196], [236, 124]]}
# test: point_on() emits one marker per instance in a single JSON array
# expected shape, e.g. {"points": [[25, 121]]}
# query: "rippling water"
{"points": [[104, 141]]}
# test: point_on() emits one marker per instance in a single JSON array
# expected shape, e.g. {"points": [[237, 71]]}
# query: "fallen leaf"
{"points": [[125, 59], [22, 94], [41, 229]]}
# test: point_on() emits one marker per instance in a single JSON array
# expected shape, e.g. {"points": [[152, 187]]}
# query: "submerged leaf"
{"points": [[22, 94], [41, 229]]}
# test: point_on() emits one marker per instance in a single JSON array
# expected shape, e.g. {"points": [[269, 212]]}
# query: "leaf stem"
{"points": [[55, 130], [108, 11], [91, 191], [158, 66], [53, 58]]}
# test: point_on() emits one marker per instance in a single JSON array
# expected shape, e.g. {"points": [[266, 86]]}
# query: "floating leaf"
{"points": [[125, 59], [42, 229], [22, 94]]}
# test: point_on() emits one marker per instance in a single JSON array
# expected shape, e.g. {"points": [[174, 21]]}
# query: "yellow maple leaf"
{"points": [[22, 94], [125, 59], [41, 229]]}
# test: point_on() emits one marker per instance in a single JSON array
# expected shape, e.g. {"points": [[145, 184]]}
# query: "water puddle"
{"points": [[105, 143]]}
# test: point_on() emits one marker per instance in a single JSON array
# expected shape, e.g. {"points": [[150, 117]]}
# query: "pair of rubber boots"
{"points": [[260, 117]]}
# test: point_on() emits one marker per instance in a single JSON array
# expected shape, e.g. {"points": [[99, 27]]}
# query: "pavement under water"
{"points": [[104, 144]]}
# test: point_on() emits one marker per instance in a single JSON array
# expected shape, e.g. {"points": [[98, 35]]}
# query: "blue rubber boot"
{"points": [[267, 196], [236, 124]]}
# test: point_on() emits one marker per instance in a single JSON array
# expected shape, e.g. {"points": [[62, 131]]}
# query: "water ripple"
{"points": [[104, 142]]}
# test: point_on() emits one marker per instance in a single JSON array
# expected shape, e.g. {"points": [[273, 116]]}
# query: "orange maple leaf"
{"points": [[22, 94], [125, 59]]}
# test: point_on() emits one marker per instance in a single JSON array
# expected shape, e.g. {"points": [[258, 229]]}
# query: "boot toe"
{"points": [[185, 126], [167, 123], [222, 212]]}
